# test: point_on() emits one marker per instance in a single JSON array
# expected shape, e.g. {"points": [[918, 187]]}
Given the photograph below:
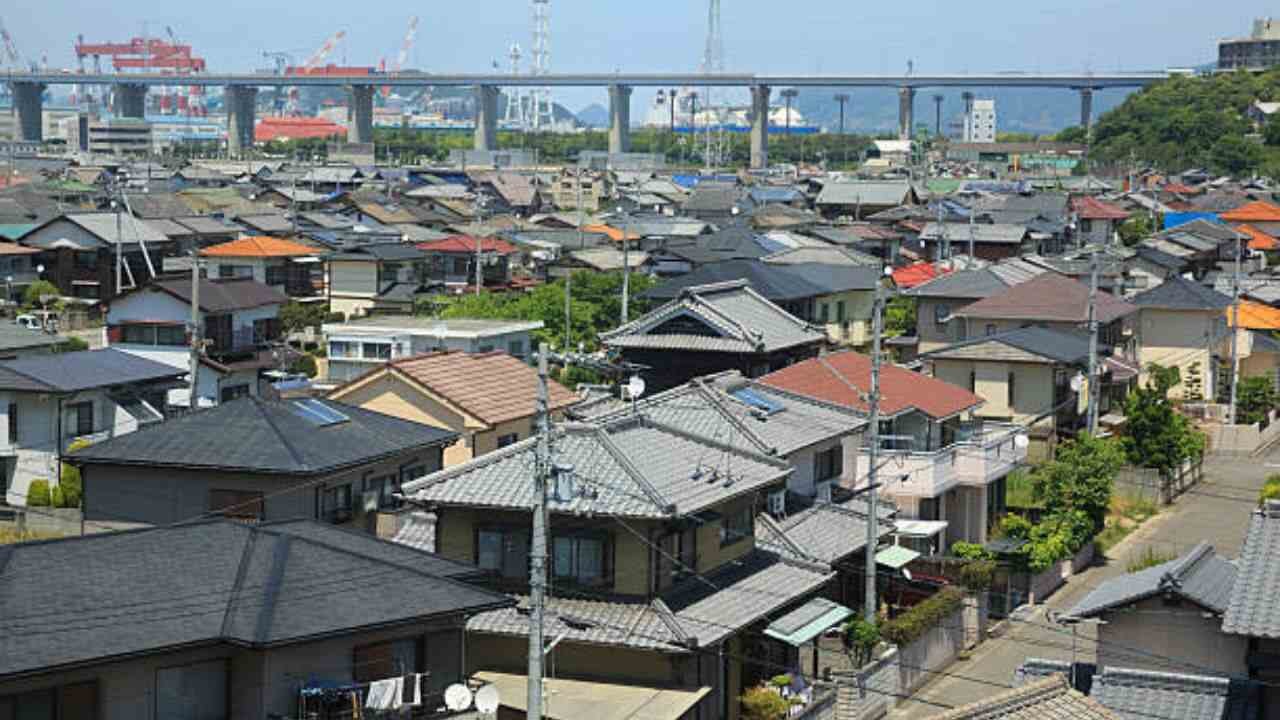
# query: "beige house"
{"points": [[939, 298], [1181, 324], [489, 399]]}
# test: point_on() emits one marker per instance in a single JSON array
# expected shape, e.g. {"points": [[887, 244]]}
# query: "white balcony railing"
{"points": [[987, 452]]}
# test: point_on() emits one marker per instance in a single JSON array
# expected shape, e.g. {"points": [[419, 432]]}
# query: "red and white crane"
{"points": [[313, 62]]}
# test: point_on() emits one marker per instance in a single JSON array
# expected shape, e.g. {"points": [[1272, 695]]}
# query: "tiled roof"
{"points": [[84, 370], [1201, 576], [259, 247], [220, 296], [730, 317], [1091, 208], [1179, 293], [959, 233], [843, 378], [778, 283], [1253, 609], [1057, 345], [467, 244], [1257, 211], [915, 274], [1259, 240], [1143, 694], [1047, 297], [1049, 699], [258, 584], [261, 436], [1255, 316], [633, 467], [823, 532], [639, 625], [493, 387]]}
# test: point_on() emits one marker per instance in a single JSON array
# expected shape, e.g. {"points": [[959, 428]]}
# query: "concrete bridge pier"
{"points": [[1086, 109], [486, 136], [131, 100], [906, 112], [759, 127], [619, 119], [28, 98], [361, 127], [241, 102]]}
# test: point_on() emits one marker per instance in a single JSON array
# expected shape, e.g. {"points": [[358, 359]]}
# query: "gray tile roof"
{"points": [[262, 436], [875, 192], [1056, 345], [1049, 698], [736, 319], [967, 284], [217, 581], [777, 282], [619, 461], [640, 625], [1179, 293], [16, 337], [1142, 694], [989, 233], [823, 532], [1201, 576], [362, 543], [221, 296], [75, 371], [1252, 609]]}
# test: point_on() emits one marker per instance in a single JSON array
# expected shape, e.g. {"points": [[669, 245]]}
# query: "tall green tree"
{"points": [[1080, 477], [1157, 435], [1255, 398]]}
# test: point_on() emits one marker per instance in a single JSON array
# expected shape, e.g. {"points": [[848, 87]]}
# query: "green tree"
{"points": [[900, 316], [1236, 155], [31, 296], [1080, 478], [1136, 229], [1158, 436], [1255, 398], [1271, 134], [296, 316], [1073, 134]]}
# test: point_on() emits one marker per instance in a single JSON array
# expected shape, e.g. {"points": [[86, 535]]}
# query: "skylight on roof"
{"points": [[758, 401], [317, 413]]}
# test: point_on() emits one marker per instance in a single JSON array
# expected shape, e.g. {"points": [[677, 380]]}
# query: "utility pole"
{"points": [[626, 271], [538, 551], [119, 241], [1235, 331], [843, 98], [870, 606], [480, 205], [195, 328], [568, 277], [972, 240], [1093, 342]]}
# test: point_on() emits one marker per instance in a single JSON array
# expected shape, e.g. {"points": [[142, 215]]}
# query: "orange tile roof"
{"points": [[260, 247], [1257, 211], [1256, 316], [494, 387], [915, 274], [614, 233], [467, 244], [1259, 240], [843, 377], [1091, 208]]}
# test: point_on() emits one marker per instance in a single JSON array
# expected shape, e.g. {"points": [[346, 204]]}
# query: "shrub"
{"points": [[73, 344], [335, 317], [38, 494], [923, 617], [305, 365], [782, 680], [56, 498], [860, 637], [977, 575], [971, 551], [762, 703], [1270, 489], [1015, 527]]}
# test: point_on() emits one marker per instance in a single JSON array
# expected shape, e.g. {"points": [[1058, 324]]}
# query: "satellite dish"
{"points": [[457, 697], [635, 387], [487, 699]]}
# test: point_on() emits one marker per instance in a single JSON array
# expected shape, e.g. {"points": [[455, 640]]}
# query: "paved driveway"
{"points": [[1216, 510]]}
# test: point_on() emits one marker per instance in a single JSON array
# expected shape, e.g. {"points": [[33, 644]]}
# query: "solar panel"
{"points": [[318, 413], [758, 401]]}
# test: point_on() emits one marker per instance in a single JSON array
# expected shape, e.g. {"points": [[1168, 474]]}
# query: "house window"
{"points": [[822, 313], [383, 488], [335, 504], [973, 381], [840, 311], [171, 335], [1012, 394], [238, 504], [737, 525], [68, 702], [81, 417], [13, 423], [386, 659], [504, 551], [192, 691], [941, 312], [266, 330], [990, 329], [341, 349], [276, 275], [675, 556], [231, 392], [459, 266], [376, 351], [927, 509], [828, 464], [508, 439], [580, 560], [388, 273], [515, 348]]}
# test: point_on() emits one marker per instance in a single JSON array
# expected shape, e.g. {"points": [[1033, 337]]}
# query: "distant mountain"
{"points": [[594, 115]]}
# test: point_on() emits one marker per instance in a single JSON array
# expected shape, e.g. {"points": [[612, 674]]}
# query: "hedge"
{"points": [[978, 575], [923, 617], [38, 494]]}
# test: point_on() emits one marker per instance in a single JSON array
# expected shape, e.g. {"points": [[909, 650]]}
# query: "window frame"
{"points": [[509, 535], [737, 526], [78, 409], [334, 511], [13, 424], [575, 539], [828, 464], [508, 439]]}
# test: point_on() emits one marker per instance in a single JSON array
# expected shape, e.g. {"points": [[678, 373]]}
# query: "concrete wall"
{"points": [[1179, 339], [932, 335], [1033, 386], [857, 316], [1179, 632]]}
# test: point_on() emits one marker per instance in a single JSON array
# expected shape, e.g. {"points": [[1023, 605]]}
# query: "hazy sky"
{"points": [[827, 36]]}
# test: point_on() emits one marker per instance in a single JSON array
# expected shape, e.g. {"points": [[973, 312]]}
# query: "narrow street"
{"points": [[1216, 510]]}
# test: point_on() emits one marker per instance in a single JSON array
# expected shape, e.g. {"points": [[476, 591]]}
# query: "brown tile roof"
{"points": [[1047, 297], [494, 387], [1091, 208], [842, 378]]}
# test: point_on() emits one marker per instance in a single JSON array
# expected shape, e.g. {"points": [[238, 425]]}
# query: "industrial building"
{"points": [[119, 136], [1259, 51]]}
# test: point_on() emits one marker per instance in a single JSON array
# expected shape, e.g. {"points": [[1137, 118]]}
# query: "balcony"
{"points": [[982, 453]]}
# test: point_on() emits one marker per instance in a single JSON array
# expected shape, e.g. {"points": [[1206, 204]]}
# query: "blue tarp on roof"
{"points": [[1172, 220]]}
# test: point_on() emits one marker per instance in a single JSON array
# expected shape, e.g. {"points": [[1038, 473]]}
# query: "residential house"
{"points": [[836, 298], [1251, 613], [858, 199], [1181, 325], [988, 241], [1257, 349], [18, 265], [275, 224], [657, 579], [1132, 693], [711, 328], [508, 191], [383, 277], [1025, 377], [359, 346], [288, 267], [1048, 698], [142, 645], [452, 261], [79, 252], [1053, 301], [258, 459], [944, 467], [50, 401], [601, 260], [938, 299], [487, 399], [714, 202], [1190, 594], [239, 323], [593, 189], [1097, 221]]}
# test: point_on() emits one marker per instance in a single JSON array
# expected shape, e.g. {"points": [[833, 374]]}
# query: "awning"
{"points": [[896, 556], [307, 260], [919, 528], [576, 699], [807, 622]]}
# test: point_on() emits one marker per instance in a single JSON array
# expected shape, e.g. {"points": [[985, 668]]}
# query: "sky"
{"points": [[819, 36]]}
